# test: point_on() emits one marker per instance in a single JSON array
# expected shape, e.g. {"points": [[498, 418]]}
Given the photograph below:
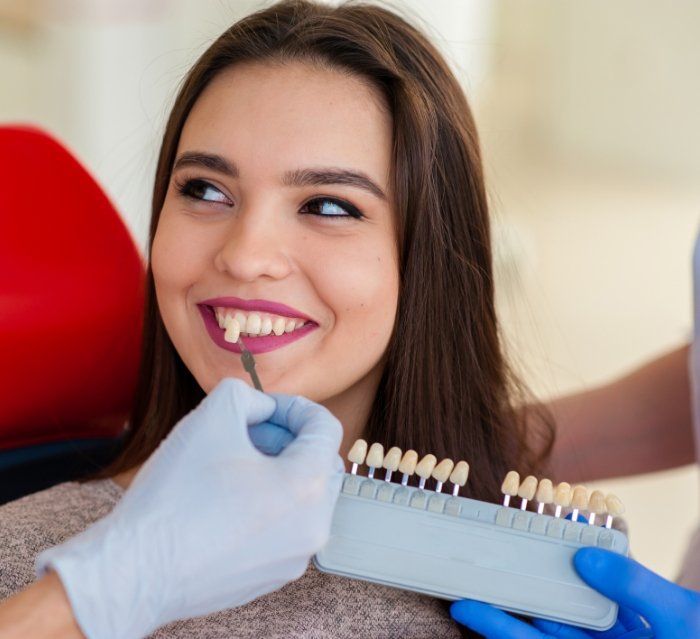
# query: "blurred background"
{"points": [[588, 114]]}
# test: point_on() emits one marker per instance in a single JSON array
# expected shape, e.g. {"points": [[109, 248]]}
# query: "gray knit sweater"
{"points": [[316, 605]]}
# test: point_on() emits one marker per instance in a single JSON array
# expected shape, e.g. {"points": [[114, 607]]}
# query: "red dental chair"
{"points": [[71, 300]]}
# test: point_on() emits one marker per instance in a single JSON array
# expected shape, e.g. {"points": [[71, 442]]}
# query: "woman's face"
{"points": [[286, 201]]}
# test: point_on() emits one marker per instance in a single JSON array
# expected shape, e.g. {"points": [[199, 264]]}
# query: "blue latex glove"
{"points": [[672, 612], [269, 438], [208, 522]]}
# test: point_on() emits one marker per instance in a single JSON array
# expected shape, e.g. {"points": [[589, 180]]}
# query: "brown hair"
{"points": [[446, 388]]}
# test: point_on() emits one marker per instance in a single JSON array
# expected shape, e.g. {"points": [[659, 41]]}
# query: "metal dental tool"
{"points": [[249, 365]]}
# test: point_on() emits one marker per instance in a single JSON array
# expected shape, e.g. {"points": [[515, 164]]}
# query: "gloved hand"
{"points": [[672, 612], [208, 522], [270, 438]]}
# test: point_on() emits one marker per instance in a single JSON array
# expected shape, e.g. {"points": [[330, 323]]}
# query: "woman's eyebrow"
{"points": [[297, 177]]}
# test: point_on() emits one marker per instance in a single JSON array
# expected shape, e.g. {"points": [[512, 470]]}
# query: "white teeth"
{"points": [[266, 326], [241, 319], [257, 324], [252, 326], [278, 326]]}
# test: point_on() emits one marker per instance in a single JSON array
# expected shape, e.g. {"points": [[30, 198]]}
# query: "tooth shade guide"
{"points": [[375, 458], [544, 494], [526, 490], [596, 506], [407, 466], [510, 486], [459, 476], [391, 461], [357, 454], [424, 469], [441, 473], [615, 508]]}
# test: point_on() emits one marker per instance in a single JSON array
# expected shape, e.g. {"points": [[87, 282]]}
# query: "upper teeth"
{"points": [[239, 323]]}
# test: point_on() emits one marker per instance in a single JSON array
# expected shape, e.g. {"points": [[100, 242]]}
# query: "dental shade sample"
{"points": [[357, 454], [375, 458], [441, 473], [579, 501], [424, 469], [510, 486], [391, 462], [459, 476], [527, 490], [562, 497], [596, 506], [408, 464], [544, 494]]}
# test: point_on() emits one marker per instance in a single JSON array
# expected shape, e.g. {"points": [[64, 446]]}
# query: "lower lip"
{"points": [[262, 344]]}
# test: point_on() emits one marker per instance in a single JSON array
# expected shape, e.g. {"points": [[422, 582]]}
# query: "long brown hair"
{"points": [[446, 388]]}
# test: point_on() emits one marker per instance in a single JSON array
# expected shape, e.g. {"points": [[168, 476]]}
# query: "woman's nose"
{"points": [[253, 248]]}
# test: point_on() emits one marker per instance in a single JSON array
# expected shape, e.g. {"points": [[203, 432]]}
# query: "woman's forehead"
{"points": [[285, 116]]}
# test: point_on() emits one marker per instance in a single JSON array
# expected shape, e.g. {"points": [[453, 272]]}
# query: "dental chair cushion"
{"points": [[71, 298]]}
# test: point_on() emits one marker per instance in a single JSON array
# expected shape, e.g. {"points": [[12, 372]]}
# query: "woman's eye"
{"points": [[197, 190], [330, 207]]}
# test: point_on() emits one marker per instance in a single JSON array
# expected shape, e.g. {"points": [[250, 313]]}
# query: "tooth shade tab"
{"points": [[375, 456], [614, 505], [460, 474], [233, 331], [596, 503], [392, 459], [511, 484], [579, 498], [528, 488], [425, 466], [442, 471], [562, 495], [545, 492], [409, 462], [358, 452]]}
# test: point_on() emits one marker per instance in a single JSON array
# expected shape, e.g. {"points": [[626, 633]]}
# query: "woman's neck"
{"points": [[352, 407]]}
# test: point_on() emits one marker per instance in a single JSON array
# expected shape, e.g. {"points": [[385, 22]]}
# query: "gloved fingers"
{"points": [[632, 585], [230, 408], [560, 630], [269, 438], [318, 432], [492, 622], [631, 622]]}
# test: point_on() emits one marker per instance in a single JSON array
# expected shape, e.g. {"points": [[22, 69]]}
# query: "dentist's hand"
{"points": [[672, 612], [209, 522]]}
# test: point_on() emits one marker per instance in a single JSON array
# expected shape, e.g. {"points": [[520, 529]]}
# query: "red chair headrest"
{"points": [[71, 297]]}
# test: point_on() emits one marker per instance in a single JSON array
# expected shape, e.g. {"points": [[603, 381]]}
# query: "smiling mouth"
{"points": [[264, 331]]}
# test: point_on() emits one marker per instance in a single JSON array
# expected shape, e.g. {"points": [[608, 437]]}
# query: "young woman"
{"points": [[320, 166]]}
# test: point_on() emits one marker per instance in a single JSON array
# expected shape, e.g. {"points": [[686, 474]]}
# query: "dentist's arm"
{"points": [[646, 413], [41, 610]]}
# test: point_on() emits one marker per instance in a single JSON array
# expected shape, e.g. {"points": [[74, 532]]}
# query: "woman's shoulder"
{"points": [[43, 519], [323, 606]]}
